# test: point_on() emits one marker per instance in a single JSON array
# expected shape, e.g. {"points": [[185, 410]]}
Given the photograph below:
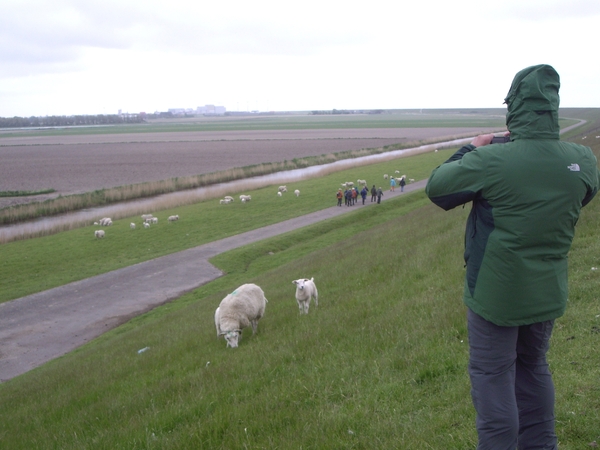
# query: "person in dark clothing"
{"points": [[379, 195], [339, 196], [363, 193], [402, 184], [526, 197], [373, 194], [348, 197]]}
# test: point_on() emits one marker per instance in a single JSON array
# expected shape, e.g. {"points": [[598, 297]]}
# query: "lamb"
{"points": [[225, 201], [282, 188], [154, 220], [173, 218], [132, 226], [228, 197], [238, 310], [279, 194], [245, 198], [305, 290], [146, 225], [297, 193], [386, 176], [99, 234]]}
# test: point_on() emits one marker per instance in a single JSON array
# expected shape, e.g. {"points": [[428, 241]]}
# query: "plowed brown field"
{"points": [[83, 163]]}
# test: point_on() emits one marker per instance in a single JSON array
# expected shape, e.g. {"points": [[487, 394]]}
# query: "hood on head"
{"points": [[533, 103]]}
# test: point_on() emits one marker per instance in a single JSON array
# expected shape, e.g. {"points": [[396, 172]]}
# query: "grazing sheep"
{"points": [[362, 182], [386, 176], [282, 188], [154, 220], [411, 180], [99, 233], [296, 192], [105, 221], [146, 225], [245, 198], [147, 216], [132, 226], [228, 197], [225, 201], [173, 218], [305, 290], [396, 171], [279, 194], [240, 309]]}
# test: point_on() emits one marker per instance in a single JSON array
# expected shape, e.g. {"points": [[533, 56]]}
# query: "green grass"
{"points": [[381, 363]]}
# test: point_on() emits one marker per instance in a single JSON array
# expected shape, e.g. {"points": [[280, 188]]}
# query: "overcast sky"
{"points": [[63, 57]]}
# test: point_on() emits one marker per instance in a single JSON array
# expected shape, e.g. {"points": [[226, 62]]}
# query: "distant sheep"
{"points": [[228, 197], [396, 171], [386, 176], [242, 308], [305, 290], [245, 198], [225, 201], [173, 218], [146, 225], [132, 226], [411, 180], [147, 216], [99, 234], [282, 188], [105, 221], [154, 220], [297, 193], [362, 182], [279, 194]]}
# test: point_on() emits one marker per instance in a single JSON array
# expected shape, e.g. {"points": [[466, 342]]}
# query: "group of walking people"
{"points": [[350, 195]]}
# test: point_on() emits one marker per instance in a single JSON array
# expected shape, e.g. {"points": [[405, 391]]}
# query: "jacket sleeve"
{"points": [[458, 180], [594, 185]]}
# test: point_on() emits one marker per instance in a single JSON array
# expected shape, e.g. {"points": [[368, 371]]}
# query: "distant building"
{"points": [[211, 110]]}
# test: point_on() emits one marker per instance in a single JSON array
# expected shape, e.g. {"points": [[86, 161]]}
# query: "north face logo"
{"points": [[574, 167]]}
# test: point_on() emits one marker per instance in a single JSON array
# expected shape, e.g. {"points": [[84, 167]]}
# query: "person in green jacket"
{"points": [[526, 197]]}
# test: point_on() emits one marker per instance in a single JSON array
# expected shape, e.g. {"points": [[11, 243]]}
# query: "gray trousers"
{"points": [[511, 385]]}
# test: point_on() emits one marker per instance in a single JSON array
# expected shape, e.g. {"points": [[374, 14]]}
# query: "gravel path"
{"points": [[43, 326]]}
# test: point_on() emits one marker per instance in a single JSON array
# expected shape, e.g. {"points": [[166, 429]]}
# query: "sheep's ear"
{"points": [[295, 282]]}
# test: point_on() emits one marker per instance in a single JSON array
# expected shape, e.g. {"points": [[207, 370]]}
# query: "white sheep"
{"points": [[146, 216], [173, 218], [297, 193], [228, 197], [396, 171], [282, 188], [305, 290], [362, 182], [242, 308], [99, 233], [386, 176], [132, 226], [146, 225], [154, 220], [245, 198], [279, 194], [224, 201], [105, 221]]}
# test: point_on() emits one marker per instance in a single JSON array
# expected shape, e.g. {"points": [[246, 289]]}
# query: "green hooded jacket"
{"points": [[526, 198]]}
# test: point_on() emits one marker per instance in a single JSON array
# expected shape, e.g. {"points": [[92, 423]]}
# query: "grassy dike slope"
{"points": [[381, 363]]}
